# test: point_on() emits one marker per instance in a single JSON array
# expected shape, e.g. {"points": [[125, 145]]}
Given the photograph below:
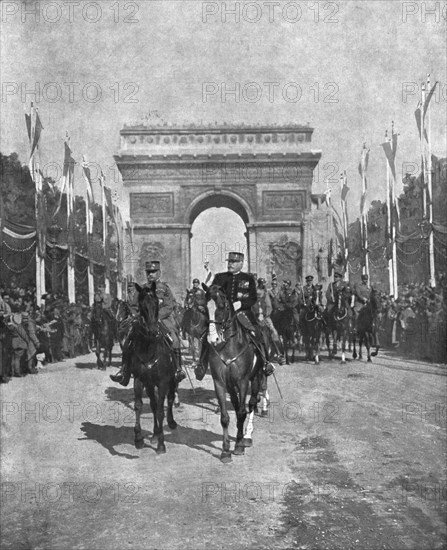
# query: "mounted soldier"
{"points": [[338, 288], [240, 289], [361, 296], [167, 324], [263, 310], [287, 298], [274, 295], [196, 297]]}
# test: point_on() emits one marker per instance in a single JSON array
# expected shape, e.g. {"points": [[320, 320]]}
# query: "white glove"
{"points": [[237, 306]]}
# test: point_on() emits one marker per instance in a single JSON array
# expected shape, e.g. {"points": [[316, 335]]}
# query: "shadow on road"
{"points": [[111, 436]]}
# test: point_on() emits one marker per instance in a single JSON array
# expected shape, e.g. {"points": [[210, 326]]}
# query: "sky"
{"points": [[348, 68]]}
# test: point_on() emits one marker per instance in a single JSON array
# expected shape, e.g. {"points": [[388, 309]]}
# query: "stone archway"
{"points": [[264, 174]]}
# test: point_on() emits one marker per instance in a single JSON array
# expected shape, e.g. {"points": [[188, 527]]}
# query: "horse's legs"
{"points": [[238, 404], [343, 345], [150, 390], [361, 337], [138, 392], [224, 421], [368, 346], [171, 397], [354, 351], [162, 391], [316, 345]]}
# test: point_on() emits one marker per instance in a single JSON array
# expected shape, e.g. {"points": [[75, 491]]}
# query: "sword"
{"points": [[277, 385]]}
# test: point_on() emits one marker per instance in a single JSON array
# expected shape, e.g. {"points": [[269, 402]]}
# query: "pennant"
{"points": [[388, 150], [37, 131], [88, 183], [363, 164], [68, 171], [428, 98], [28, 124], [344, 189]]}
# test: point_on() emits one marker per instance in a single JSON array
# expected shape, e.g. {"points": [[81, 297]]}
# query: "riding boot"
{"points": [[268, 368], [123, 376], [202, 365], [180, 374]]}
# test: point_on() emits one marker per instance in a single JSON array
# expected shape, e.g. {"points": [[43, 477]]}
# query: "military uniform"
{"points": [[333, 291], [362, 294], [167, 322], [238, 287], [287, 299], [196, 297], [274, 297]]}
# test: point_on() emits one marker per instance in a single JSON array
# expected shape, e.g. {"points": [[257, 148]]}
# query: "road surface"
{"points": [[352, 457]]}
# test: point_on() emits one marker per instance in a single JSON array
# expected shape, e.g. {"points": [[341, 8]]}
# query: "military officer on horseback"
{"points": [[240, 289], [167, 323], [263, 310], [338, 288], [361, 297], [274, 294], [287, 298], [196, 297]]}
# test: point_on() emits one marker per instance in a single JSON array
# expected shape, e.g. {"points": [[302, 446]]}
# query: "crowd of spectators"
{"points": [[416, 322], [33, 336]]}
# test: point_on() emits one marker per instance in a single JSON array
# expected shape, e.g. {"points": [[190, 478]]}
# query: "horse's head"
{"points": [[148, 304], [220, 311]]}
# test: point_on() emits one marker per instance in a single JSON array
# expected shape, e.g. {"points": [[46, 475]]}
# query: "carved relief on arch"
{"points": [[286, 259]]}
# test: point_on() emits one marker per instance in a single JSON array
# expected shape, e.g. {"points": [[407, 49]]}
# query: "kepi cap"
{"points": [[152, 266], [338, 274], [195, 281], [235, 256], [309, 278], [287, 281]]}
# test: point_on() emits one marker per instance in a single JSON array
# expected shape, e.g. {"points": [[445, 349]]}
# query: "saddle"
{"points": [[245, 322]]}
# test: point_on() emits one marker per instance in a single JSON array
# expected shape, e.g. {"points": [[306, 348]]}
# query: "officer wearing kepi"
{"points": [[240, 289], [166, 320], [360, 297]]}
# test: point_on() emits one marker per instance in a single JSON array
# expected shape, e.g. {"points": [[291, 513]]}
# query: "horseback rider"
{"points": [[240, 289], [196, 297], [334, 290], [167, 324], [274, 295], [362, 296], [263, 310], [287, 298]]}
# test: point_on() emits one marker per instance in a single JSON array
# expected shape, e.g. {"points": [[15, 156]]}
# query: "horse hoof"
{"points": [[139, 444], [264, 413], [369, 360], [247, 442], [354, 356], [161, 450], [226, 458], [154, 439], [239, 449], [177, 405], [317, 361], [172, 425]]}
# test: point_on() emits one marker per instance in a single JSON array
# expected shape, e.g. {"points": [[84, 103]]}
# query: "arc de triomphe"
{"points": [[264, 174]]}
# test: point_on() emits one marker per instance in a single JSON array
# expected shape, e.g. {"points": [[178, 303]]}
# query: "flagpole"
{"points": [[431, 247], [423, 168], [393, 225], [345, 227], [71, 244], [388, 213], [89, 223], [104, 235], [35, 176]]}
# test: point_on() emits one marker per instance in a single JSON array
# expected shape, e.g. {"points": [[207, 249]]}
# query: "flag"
{"points": [[68, 171], [428, 98], [28, 124], [37, 131], [88, 183], [390, 155]]}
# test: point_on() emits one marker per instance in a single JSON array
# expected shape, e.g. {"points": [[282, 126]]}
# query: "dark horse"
{"points": [[194, 324], [234, 366], [365, 328], [311, 326], [337, 326], [103, 329], [124, 319], [284, 322], [152, 366]]}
